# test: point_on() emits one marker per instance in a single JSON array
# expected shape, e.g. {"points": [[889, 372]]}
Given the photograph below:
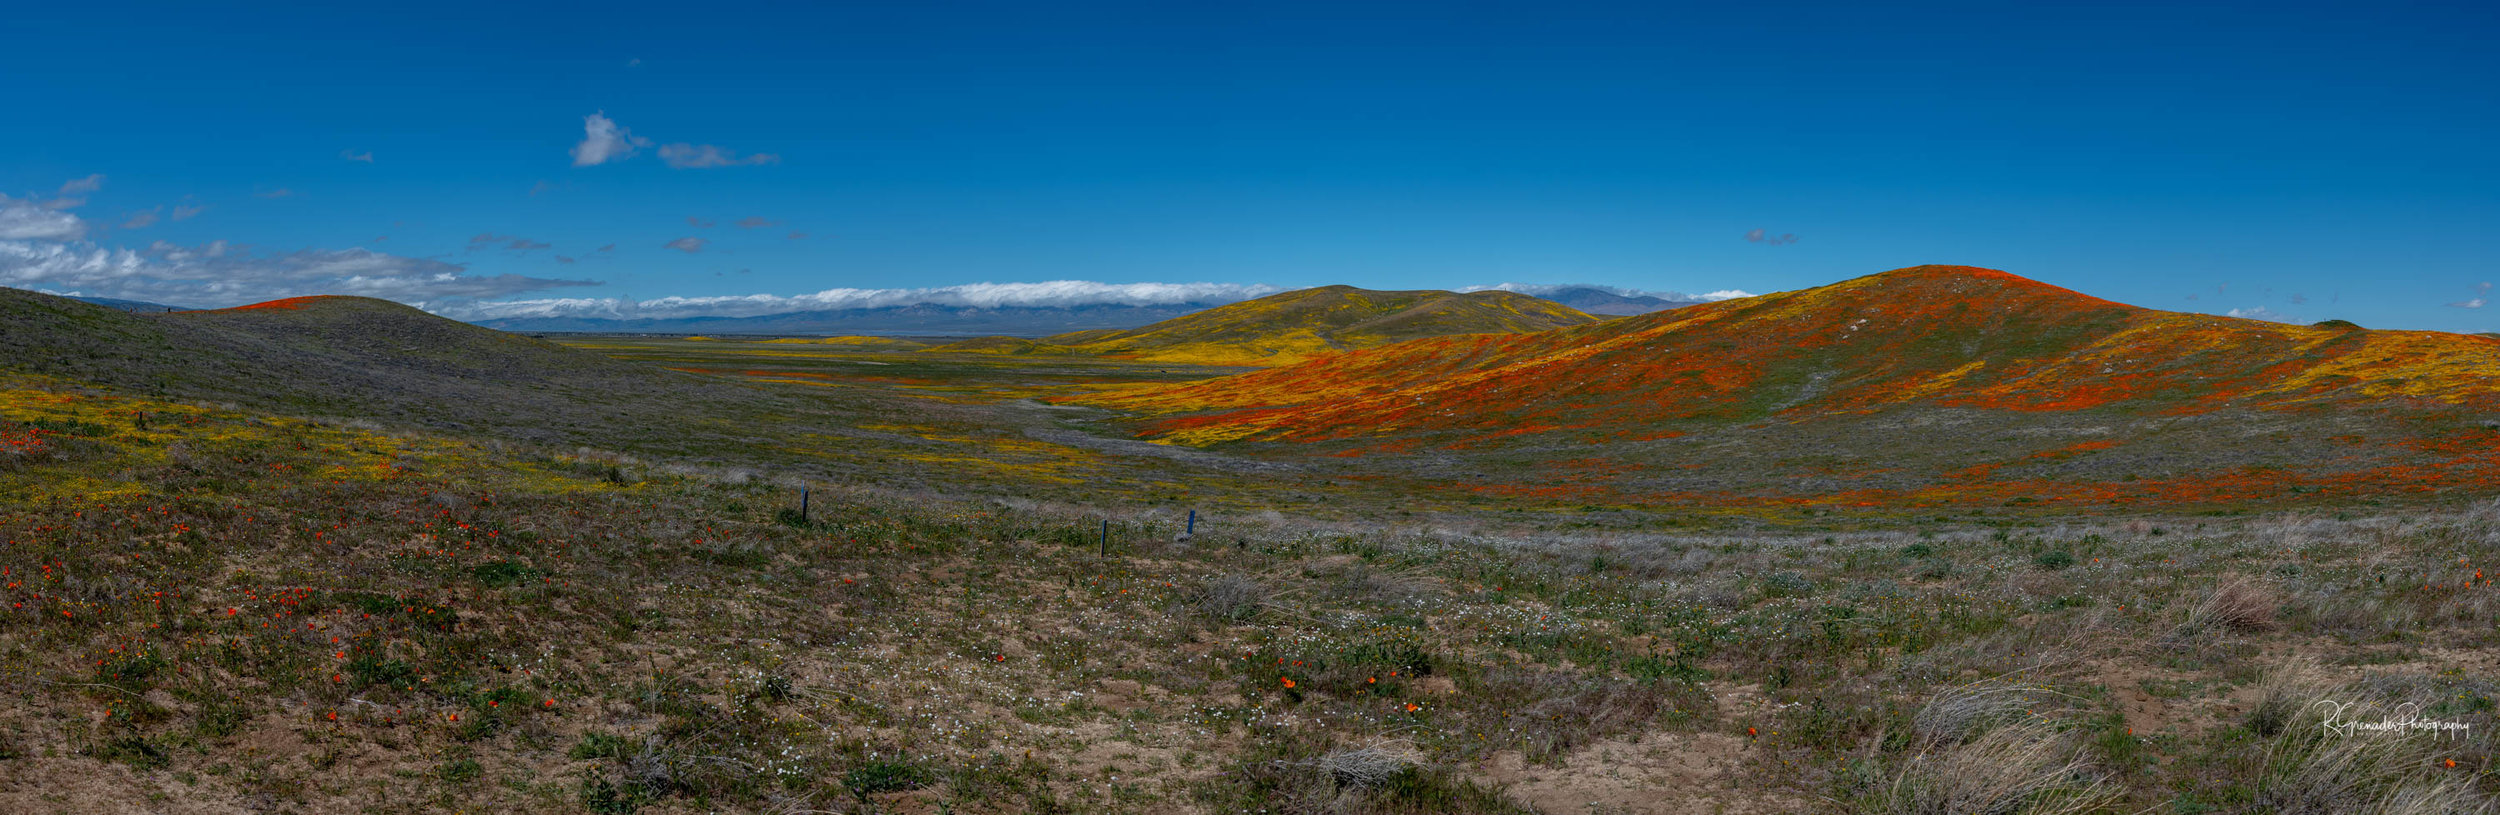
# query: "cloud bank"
{"points": [[219, 274], [23, 220]]}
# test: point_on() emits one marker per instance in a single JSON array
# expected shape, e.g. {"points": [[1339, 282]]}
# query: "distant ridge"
{"points": [[1600, 301], [130, 305], [927, 319]]}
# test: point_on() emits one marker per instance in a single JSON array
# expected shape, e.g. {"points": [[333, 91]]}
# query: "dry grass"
{"points": [[2238, 605], [1962, 713], [2029, 768], [1368, 767]]}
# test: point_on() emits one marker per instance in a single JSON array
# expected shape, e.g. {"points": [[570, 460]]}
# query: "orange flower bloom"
{"points": [[1287, 679]]}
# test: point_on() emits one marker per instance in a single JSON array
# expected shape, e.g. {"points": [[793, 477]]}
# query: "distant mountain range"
{"points": [[929, 319], [920, 319], [1600, 301], [131, 305]]}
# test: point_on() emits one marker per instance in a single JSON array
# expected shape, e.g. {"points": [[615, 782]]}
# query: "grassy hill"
{"points": [[1295, 325], [349, 356], [2006, 370], [1937, 335], [1281, 329]]}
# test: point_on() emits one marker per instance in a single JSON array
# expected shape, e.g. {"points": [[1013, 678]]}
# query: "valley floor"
{"points": [[210, 610]]}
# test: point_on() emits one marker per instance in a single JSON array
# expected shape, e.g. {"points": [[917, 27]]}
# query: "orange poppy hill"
{"points": [[1932, 346]]}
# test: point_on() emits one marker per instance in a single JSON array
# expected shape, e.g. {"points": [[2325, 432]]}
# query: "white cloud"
{"points": [[351, 155], [603, 141], [516, 243], [2477, 301], [221, 274], [1060, 293], [686, 245], [82, 186], [697, 156], [2259, 313], [184, 212], [142, 218], [27, 220], [1763, 236], [699, 223], [73, 193], [756, 222]]}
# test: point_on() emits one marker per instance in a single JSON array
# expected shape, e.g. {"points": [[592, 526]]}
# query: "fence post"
{"points": [[1192, 529], [802, 503], [1106, 538]]}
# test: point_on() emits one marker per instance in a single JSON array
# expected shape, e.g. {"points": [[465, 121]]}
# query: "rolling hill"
{"points": [[350, 356], [1848, 364], [1293, 326]]}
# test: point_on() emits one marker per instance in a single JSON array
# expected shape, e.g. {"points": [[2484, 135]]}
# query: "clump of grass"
{"points": [[1369, 767], [1961, 713], [1231, 598], [2312, 767], [2238, 605], [877, 777], [2028, 769]]}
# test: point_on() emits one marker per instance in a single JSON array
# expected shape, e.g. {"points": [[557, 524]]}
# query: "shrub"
{"points": [[1231, 598]]}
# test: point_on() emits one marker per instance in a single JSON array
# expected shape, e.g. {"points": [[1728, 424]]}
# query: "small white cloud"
{"points": [[608, 248], [540, 187], [603, 141], [73, 193], [185, 212], [82, 186], [699, 223], [686, 245], [2477, 301], [351, 155], [28, 220], [756, 222], [2259, 313], [1763, 236], [698, 156], [142, 218], [516, 243]]}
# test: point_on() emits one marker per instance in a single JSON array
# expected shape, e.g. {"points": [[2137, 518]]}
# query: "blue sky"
{"points": [[2311, 161]]}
